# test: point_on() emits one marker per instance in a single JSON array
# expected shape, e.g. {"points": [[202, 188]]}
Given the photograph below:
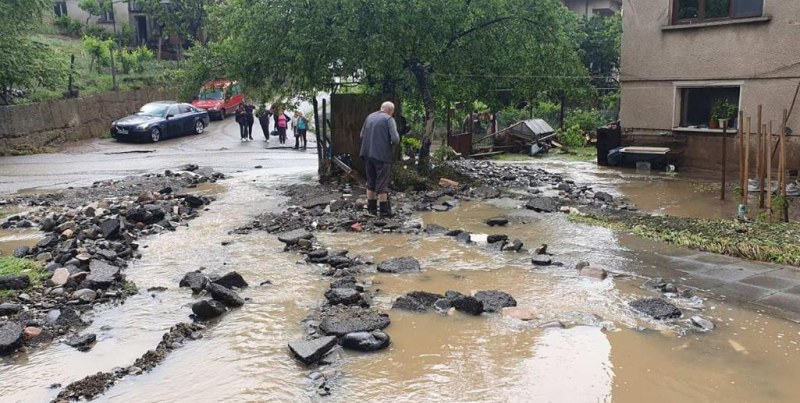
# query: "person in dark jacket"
{"points": [[378, 135], [250, 119], [241, 119], [263, 120]]}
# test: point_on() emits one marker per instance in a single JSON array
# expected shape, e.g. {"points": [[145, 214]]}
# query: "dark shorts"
{"points": [[378, 175]]}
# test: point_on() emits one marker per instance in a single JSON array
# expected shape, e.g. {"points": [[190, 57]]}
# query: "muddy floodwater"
{"points": [[606, 353]]}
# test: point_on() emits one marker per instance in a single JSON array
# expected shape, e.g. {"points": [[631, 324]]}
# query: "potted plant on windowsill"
{"points": [[721, 112]]}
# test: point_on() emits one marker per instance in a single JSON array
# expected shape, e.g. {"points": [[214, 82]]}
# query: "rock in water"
{"points": [[208, 309], [581, 265], [604, 197], [497, 221], [486, 192], [343, 296], [594, 272], [366, 341], [494, 301], [15, 282], [82, 343], [101, 275], [10, 337], [496, 238], [230, 280], [703, 323], [541, 260], [400, 265], [195, 280], [310, 351], [340, 320], [657, 308], [543, 204], [409, 304], [467, 304], [293, 237], [225, 295], [442, 305], [426, 298], [193, 201]]}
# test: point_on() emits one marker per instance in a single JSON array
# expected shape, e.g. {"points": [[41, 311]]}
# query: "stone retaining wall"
{"points": [[55, 122]]}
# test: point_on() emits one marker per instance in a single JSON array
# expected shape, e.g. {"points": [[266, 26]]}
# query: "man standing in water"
{"points": [[378, 135]]}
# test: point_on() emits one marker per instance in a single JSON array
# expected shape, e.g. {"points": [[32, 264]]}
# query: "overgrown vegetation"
{"points": [[572, 137], [761, 241]]}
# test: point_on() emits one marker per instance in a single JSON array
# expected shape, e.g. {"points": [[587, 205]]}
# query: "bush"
{"points": [[68, 26], [96, 31], [587, 120], [99, 49], [573, 137], [411, 145], [134, 60], [444, 153]]}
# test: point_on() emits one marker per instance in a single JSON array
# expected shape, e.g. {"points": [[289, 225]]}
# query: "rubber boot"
{"points": [[386, 210], [372, 207]]}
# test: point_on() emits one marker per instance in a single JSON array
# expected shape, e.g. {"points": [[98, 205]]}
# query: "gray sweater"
{"points": [[377, 137]]}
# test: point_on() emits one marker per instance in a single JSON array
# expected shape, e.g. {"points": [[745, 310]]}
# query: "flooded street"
{"points": [[607, 352]]}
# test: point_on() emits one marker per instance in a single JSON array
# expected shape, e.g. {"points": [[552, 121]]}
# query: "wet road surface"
{"points": [[608, 354], [101, 159]]}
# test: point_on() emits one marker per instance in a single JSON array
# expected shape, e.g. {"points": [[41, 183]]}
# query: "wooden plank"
{"points": [[746, 160], [768, 159], [782, 173]]}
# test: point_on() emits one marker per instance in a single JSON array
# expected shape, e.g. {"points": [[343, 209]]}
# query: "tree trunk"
{"points": [[160, 44], [422, 73]]}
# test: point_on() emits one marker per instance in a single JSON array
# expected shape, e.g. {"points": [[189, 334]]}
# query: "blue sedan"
{"points": [[160, 120]]}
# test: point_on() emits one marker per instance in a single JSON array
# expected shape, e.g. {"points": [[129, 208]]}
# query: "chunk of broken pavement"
{"points": [[404, 264], [310, 351]]}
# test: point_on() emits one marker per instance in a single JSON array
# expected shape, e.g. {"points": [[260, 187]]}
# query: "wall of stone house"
{"points": [[759, 56], [56, 122]]}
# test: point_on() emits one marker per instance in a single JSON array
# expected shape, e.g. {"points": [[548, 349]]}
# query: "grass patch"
{"points": [[12, 266], [511, 157], [760, 241], [17, 150], [579, 154]]}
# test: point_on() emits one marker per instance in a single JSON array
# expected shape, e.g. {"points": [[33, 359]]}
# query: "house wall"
{"points": [[580, 6], [763, 57], [121, 15]]}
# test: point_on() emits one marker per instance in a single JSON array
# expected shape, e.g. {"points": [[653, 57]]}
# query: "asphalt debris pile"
{"points": [[88, 237], [94, 385]]}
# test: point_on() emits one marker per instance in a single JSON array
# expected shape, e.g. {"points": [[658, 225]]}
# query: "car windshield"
{"points": [[210, 94], [156, 110]]}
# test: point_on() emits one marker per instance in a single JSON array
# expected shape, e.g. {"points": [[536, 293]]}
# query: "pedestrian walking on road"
{"points": [[250, 119], [241, 119], [281, 123], [378, 135], [300, 129], [263, 120]]}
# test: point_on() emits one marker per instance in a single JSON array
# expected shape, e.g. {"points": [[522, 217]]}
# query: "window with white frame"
{"points": [[702, 107]]}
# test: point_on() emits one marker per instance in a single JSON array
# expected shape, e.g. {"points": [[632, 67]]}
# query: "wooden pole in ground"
{"points": [[316, 132], [324, 126], [746, 161], [768, 159], [742, 171], [785, 201], [759, 178], [724, 158]]}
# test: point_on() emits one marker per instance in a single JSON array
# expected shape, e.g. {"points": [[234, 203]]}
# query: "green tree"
{"points": [[185, 18], [24, 62], [95, 8], [600, 49], [434, 52]]}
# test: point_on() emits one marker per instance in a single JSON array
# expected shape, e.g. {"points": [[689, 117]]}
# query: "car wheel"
{"points": [[199, 127], [222, 114], [155, 135]]}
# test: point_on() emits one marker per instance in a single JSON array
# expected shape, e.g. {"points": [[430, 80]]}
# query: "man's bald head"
{"points": [[388, 108]]}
